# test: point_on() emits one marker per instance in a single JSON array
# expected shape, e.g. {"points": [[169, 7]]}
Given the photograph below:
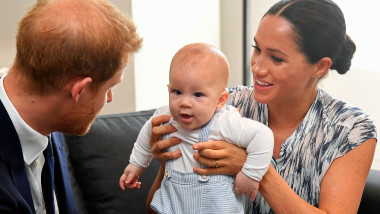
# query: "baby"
{"points": [[197, 97]]}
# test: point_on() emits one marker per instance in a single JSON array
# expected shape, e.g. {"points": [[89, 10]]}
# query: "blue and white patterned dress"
{"points": [[330, 129]]}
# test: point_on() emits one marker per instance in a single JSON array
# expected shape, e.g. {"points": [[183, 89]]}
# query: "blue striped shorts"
{"points": [[192, 193]]}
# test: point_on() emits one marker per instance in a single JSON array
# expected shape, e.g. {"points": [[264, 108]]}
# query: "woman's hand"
{"points": [[158, 150], [158, 146], [222, 158]]}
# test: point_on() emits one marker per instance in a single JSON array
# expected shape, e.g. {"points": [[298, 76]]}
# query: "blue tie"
{"points": [[47, 178]]}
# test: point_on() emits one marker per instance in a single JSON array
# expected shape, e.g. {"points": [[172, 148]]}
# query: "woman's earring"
{"points": [[315, 77]]}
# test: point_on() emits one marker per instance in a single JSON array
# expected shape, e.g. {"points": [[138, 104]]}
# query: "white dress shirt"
{"points": [[33, 144]]}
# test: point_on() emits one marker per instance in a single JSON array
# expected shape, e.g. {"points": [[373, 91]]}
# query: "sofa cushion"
{"points": [[97, 160], [100, 157]]}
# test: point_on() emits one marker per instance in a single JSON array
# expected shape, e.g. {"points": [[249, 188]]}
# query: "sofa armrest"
{"points": [[99, 158], [370, 202]]}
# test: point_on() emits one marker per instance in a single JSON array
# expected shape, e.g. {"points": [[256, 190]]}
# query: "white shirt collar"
{"points": [[32, 142]]}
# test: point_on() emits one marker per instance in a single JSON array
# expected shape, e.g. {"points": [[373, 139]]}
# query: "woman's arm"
{"points": [[344, 181], [341, 188], [156, 185], [159, 153]]}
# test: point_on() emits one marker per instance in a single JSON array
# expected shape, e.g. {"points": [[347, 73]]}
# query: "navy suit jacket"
{"points": [[15, 194]]}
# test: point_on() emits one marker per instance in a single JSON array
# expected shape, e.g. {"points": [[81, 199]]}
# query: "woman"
{"points": [[323, 147]]}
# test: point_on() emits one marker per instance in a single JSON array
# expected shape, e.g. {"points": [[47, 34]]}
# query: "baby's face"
{"points": [[193, 96]]}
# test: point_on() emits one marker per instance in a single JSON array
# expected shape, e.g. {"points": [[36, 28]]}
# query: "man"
{"points": [[70, 54]]}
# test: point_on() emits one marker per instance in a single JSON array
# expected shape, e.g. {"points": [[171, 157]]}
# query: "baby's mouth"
{"points": [[186, 118]]}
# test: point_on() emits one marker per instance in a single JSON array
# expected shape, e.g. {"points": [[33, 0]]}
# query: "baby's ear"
{"points": [[222, 99]]}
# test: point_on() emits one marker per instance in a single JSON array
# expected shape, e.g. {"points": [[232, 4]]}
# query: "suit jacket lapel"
{"points": [[63, 190]]}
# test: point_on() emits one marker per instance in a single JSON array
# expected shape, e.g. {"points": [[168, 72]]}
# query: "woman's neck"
{"points": [[291, 112]]}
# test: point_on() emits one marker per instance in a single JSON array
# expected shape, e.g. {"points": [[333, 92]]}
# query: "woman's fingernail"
{"points": [[195, 147]]}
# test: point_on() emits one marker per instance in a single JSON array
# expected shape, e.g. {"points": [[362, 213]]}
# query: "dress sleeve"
{"points": [[362, 129]]}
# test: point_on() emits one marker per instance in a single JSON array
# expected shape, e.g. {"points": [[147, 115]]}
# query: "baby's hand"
{"points": [[130, 177], [246, 185]]}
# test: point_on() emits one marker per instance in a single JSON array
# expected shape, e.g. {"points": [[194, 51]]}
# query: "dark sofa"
{"points": [[98, 159]]}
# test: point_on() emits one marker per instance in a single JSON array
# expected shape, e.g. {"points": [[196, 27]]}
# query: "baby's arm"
{"points": [[130, 177], [258, 140], [139, 159], [260, 152], [141, 154]]}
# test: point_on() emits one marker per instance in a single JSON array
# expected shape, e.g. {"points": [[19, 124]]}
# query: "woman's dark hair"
{"points": [[320, 30]]}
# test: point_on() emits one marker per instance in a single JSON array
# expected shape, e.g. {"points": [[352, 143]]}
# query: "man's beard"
{"points": [[77, 122]]}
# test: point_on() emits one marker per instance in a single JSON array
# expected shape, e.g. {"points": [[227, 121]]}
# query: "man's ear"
{"points": [[77, 87], [222, 99], [323, 67]]}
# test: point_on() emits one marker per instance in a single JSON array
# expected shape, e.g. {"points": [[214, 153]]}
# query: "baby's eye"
{"points": [[177, 92], [198, 94]]}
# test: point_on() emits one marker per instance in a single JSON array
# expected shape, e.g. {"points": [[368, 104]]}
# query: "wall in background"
{"points": [[166, 26], [10, 14]]}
